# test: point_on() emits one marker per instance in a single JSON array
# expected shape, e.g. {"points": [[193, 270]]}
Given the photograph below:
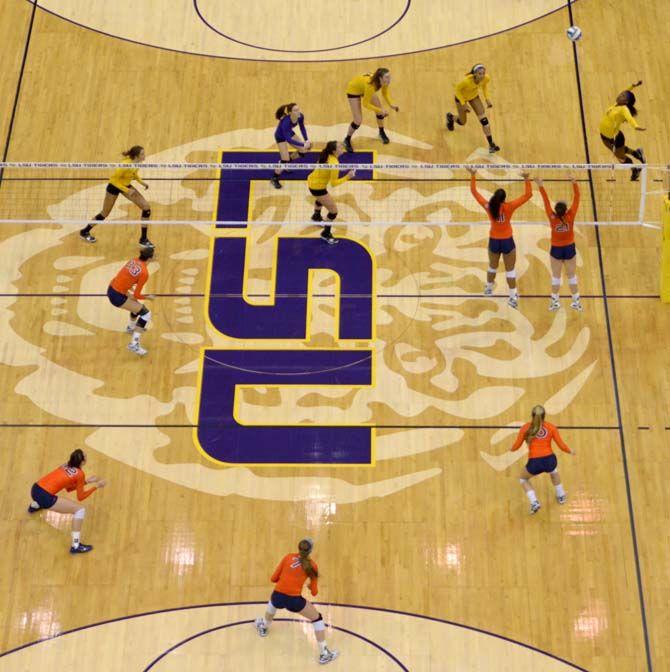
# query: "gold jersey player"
{"points": [[622, 111], [120, 182], [467, 94], [362, 91]]}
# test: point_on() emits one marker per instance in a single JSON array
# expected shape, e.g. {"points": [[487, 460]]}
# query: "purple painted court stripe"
{"points": [[300, 51], [328, 604], [334, 60], [283, 620]]}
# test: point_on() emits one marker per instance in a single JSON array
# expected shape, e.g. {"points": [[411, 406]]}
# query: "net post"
{"points": [[665, 253]]}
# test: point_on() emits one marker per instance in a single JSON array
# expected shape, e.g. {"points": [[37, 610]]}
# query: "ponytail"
{"points": [[376, 77], [536, 423], [133, 152], [630, 103], [304, 549], [76, 458], [327, 151], [283, 110], [498, 198]]}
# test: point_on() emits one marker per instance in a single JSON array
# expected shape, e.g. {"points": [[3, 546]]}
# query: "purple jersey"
{"points": [[284, 131]]}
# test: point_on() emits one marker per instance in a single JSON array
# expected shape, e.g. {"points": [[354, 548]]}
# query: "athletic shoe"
{"points": [[488, 291], [328, 656], [554, 304], [384, 137], [146, 243], [347, 144], [577, 305], [640, 155], [87, 237], [274, 181], [513, 301], [82, 548], [493, 148], [137, 349], [316, 217], [261, 627], [450, 121], [33, 510], [534, 507], [561, 499], [328, 238], [635, 174]]}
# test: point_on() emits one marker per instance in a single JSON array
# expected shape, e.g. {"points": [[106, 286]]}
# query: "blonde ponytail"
{"points": [[536, 423]]}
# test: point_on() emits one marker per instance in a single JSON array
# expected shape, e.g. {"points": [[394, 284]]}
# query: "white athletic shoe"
{"points": [[328, 656], [261, 627], [554, 304], [561, 499], [488, 291], [137, 349], [513, 302], [577, 305], [535, 507]]}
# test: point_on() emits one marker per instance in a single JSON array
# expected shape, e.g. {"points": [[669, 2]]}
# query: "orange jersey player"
{"points": [[68, 477], [539, 434], [563, 251], [501, 239], [133, 275], [289, 577]]}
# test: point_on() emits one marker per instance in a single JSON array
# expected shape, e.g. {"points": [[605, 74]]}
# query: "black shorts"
{"points": [[541, 465], [116, 298], [294, 603], [353, 95], [111, 189], [614, 143], [318, 192], [501, 245], [45, 499], [563, 252]]}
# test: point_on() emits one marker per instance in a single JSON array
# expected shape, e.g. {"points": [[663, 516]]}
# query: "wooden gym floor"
{"points": [[429, 558]]}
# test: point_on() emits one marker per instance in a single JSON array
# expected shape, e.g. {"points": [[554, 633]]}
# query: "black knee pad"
{"points": [[332, 216], [143, 311], [380, 117], [355, 126], [99, 217], [318, 618], [484, 121], [134, 315], [146, 213]]}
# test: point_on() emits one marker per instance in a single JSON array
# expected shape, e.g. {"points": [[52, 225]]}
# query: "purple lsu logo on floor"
{"points": [[219, 434]]}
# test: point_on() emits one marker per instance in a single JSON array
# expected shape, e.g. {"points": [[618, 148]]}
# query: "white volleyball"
{"points": [[574, 33]]}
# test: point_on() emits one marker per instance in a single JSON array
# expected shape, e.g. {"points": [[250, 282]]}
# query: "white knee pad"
{"points": [[319, 625], [271, 609], [511, 274], [79, 514], [493, 271], [556, 282], [555, 471], [573, 280]]}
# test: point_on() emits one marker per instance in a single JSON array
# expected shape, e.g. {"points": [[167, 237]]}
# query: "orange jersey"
{"points": [[562, 231], [502, 227], [134, 273], [540, 446], [290, 576], [68, 478]]}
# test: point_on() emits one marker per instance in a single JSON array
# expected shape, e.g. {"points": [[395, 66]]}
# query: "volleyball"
{"points": [[574, 33]]}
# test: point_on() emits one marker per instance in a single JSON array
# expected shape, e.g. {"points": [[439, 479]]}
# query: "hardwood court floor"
{"points": [[438, 527]]}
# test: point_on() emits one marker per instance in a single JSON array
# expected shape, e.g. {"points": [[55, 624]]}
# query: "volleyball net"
{"points": [[238, 191]]}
